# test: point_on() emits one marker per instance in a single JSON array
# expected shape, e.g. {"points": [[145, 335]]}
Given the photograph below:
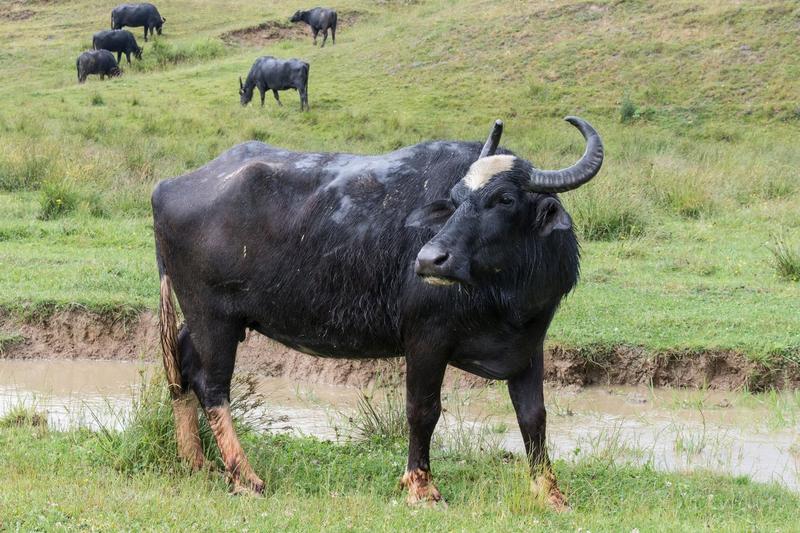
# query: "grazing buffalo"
{"points": [[119, 41], [320, 19], [97, 62], [442, 252], [269, 73], [136, 15]]}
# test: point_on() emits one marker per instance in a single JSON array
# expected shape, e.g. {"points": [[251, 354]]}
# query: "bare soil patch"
{"points": [[273, 31], [265, 33], [79, 334], [22, 14]]}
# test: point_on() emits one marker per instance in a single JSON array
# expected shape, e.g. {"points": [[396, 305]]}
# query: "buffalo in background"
{"points": [[136, 15], [97, 62], [119, 41], [320, 19], [269, 73]]}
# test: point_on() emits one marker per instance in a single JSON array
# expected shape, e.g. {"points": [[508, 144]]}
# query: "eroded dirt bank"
{"points": [[83, 335]]}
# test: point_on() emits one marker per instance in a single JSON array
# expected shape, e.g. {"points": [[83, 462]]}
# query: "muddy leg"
{"points": [[185, 405], [423, 407], [324, 37], [315, 37], [211, 380], [527, 395], [188, 430]]}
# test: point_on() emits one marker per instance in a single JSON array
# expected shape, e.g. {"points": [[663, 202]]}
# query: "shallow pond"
{"points": [[734, 433]]}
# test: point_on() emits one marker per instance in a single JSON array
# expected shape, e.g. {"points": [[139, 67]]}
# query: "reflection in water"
{"points": [[670, 429]]}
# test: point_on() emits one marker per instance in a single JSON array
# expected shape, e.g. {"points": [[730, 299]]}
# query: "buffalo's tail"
{"points": [[168, 327]]}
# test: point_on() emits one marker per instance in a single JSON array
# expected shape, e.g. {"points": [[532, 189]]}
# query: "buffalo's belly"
{"points": [[318, 340]]}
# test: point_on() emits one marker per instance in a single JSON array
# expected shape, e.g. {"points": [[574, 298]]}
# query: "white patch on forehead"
{"points": [[484, 169]]}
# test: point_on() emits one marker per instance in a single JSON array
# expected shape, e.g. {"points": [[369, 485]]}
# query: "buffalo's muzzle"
{"points": [[437, 266]]}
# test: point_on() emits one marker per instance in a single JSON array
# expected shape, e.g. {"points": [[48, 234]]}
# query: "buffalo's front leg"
{"points": [[527, 395], [423, 407]]}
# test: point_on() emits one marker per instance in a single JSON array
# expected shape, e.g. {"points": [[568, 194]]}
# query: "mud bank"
{"points": [[79, 334]]}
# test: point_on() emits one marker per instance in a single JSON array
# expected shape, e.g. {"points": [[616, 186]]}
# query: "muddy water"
{"points": [[733, 433]]}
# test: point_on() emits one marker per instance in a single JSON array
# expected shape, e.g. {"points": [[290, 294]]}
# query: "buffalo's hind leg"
{"points": [[423, 407], [527, 395], [185, 405], [216, 343], [277, 98]]}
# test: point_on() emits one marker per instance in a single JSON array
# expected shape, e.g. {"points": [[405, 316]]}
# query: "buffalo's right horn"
{"points": [[586, 168], [493, 140], [241, 85]]}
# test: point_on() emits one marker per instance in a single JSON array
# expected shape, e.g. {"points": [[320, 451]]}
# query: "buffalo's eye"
{"points": [[505, 200]]}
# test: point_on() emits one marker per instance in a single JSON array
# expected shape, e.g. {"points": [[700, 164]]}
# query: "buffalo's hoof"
{"points": [[421, 491], [255, 488], [545, 489]]}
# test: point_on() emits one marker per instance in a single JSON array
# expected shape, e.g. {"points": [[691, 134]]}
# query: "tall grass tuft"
{"points": [[785, 259], [163, 54], [25, 169], [58, 198], [147, 442], [380, 416], [603, 213], [627, 111], [24, 416]]}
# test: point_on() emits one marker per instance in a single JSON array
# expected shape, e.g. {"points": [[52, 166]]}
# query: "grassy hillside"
{"points": [[696, 101]]}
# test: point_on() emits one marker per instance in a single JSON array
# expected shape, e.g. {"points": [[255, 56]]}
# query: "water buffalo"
{"points": [[97, 62], [430, 252], [269, 73], [119, 41], [320, 19], [135, 15]]}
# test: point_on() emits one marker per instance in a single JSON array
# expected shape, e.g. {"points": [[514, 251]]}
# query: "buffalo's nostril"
{"points": [[431, 258], [441, 259]]}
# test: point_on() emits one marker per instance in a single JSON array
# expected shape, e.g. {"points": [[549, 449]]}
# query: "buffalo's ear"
{"points": [[551, 216], [432, 216]]}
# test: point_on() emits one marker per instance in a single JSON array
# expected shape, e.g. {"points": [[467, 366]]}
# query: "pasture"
{"points": [[690, 235]]}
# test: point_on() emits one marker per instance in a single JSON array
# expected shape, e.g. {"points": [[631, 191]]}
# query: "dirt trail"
{"points": [[79, 334]]}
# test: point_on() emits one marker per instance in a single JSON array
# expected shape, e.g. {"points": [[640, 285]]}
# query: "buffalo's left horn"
{"points": [[241, 85], [491, 143], [581, 172]]}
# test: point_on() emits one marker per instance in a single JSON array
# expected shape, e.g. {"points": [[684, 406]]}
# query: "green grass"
{"points": [[60, 480], [696, 104], [131, 479]]}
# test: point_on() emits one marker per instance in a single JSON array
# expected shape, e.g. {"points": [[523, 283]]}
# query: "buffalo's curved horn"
{"points": [[241, 85], [491, 143], [581, 172]]}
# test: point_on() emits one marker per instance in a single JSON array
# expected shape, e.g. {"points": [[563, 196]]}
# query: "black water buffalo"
{"points": [[320, 19], [136, 15], [119, 41], [431, 252], [269, 73], [97, 62]]}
